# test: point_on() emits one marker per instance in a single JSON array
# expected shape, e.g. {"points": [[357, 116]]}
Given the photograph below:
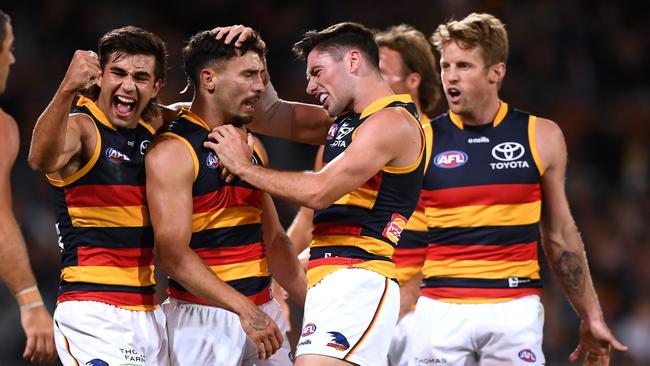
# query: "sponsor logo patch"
{"points": [[338, 341], [212, 161], [144, 145], [309, 329], [115, 156], [450, 159], [527, 355], [508, 151], [394, 228]]}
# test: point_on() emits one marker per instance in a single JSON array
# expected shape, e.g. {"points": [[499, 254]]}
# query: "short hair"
{"points": [[417, 56], [339, 38], [203, 49], [475, 30], [133, 41], [4, 20]]}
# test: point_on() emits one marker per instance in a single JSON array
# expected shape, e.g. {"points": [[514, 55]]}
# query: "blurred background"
{"points": [[582, 64]]}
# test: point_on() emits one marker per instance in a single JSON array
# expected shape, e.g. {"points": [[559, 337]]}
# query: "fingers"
{"points": [[50, 348], [617, 345], [575, 355], [239, 33], [39, 352], [29, 348]]}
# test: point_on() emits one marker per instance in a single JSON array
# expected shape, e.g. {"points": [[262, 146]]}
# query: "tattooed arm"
{"points": [[565, 250]]}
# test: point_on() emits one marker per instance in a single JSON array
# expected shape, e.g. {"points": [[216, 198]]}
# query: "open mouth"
{"points": [[322, 97], [454, 94], [249, 103], [123, 106]]}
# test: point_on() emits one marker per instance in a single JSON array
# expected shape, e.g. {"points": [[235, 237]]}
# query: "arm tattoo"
{"points": [[286, 240], [571, 273], [258, 322]]}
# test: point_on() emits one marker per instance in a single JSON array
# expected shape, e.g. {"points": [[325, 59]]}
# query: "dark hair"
{"points": [[417, 56], [203, 49], [339, 38], [4, 20], [133, 41]]}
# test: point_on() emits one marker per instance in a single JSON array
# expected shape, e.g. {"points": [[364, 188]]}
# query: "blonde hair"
{"points": [[475, 30]]}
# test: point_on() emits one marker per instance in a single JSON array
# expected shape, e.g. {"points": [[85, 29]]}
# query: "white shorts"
{"points": [[207, 335], [400, 345], [492, 334], [350, 315], [98, 334]]}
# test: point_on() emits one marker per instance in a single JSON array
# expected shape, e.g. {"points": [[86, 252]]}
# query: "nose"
{"points": [[311, 86], [258, 84], [12, 58], [450, 75], [128, 84]]}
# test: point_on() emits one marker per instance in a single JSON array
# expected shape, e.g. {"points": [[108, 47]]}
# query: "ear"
{"points": [[98, 81], [496, 73], [354, 60], [413, 80], [156, 88], [207, 79]]}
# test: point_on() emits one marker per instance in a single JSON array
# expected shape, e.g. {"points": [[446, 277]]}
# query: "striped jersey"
{"points": [[226, 218], [362, 227], [409, 255], [102, 219], [483, 205]]}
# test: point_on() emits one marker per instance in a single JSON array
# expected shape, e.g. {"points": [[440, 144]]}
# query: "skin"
{"points": [[36, 322], [63, 143], [228, 91], [464, 70]]}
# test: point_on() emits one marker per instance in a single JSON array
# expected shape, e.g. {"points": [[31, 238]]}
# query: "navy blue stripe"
{"points": [[84, 286], [246, 286], [413, 239], [521, 282], [486, 235], [227, 237], [346, 252]]}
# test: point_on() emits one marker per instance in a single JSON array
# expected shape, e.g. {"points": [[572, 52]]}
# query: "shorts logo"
{"points": [[450, 159], [338, 341], [308, 330], [115, 156], [96, 362], [212, 161], [332, 131], [394, 228], [527, 355], [144, 145]]}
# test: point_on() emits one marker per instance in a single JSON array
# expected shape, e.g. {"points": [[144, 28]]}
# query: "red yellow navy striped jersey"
{"points": [[411, 251], [103, 222], [362, 228], [483, 204], [226, 217]]}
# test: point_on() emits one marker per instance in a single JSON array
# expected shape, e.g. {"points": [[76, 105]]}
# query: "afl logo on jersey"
{"points": [[115, 156], [332, 131], [450, 159], [144, 145], [212, 161], [508, 151], [527, 355]]}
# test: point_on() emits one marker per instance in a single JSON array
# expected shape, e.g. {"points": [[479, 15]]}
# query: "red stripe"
{"points": [[105, 195], [477, 293], [331, 261], [226, 197], [115, 257], [228, 255], [495, 194], [260, 298], [515, 252], [334, 228], [112, 298], [373, 183], [403, 257]]}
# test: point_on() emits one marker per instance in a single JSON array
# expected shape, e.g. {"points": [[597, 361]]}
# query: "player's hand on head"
{"points": [[39, 331], [239, 33], [82, 72]]}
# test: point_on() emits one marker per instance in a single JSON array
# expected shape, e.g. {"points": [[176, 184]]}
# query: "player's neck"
{"points": [[369, 92], [483, 114], [209, 114]]}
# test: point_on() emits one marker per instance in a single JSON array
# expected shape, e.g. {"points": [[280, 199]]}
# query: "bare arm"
{"points": [[35, 319], [565, 250], [387, 139], [57, 137], [170, 174]]}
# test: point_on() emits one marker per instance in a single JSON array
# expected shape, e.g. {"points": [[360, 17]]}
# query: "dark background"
{"points": [[582, 64]]}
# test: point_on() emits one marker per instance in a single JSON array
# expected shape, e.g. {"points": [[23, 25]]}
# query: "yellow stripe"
{"points": [[427, 128], [382, 102], [105, 275], [85, 169], [490, 215], [532, 121], [370, 245], [416, 163], [417, 222], [94, 109], [138, 307], [405, 273], [481, 269], [111, 216], [190, 116], [226, 217], [148, 126], [501, 113], [195, 160], [236, 271], [384, 268], [360, 197]]}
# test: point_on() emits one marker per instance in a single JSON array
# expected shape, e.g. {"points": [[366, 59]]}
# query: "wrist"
{"points": [[29, 298]]}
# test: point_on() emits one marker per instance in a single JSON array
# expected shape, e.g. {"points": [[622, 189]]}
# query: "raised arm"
{"points": [[170, 174], [565, 250], [388, 137], [58, 138], [15, 270]]}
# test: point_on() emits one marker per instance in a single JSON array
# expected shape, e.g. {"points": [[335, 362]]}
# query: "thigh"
{"points": [[400, 345], [203, 335], [442, 334], [283, 356], [350, 315], [515, 333], [93, 333]]}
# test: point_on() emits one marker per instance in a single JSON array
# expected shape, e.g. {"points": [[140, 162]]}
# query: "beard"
{"points": [[239, 121]]}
